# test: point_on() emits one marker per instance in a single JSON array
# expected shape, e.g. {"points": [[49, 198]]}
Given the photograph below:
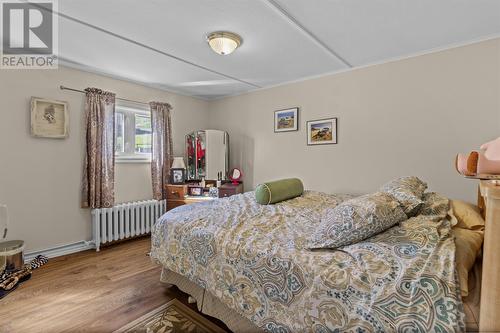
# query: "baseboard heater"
{"points": [[126, 220]]}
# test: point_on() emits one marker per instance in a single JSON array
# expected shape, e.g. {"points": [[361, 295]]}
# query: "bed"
{"points": [[247, 264]]}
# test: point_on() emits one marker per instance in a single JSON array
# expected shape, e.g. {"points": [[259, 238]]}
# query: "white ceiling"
{"points": [[162, 42]]}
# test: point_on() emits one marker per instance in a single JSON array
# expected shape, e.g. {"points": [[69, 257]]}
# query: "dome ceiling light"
{"points": [[223, 42]]}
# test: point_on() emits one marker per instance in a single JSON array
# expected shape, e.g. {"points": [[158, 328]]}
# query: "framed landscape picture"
{"points": [[286, 120], [49, 118], [322, 132]]}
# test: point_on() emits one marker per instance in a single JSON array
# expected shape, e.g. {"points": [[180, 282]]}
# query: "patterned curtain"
{"points": [[99, 165], [161, 126]]}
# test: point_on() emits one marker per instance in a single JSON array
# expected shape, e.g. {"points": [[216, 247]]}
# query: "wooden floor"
{"points": [[101, 292], [88, 292]]}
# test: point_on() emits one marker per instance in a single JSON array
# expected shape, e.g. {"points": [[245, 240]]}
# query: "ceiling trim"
{"points": [[132, 41], [293, 21], [63, 62], [382, 62]]}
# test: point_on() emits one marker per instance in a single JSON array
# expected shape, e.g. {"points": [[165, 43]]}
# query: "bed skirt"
{"points": [[209, 304]]}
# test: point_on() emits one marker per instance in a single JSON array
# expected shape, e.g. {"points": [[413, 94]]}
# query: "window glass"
{"points": [[142, 134], [132, 135], [119, 132]]}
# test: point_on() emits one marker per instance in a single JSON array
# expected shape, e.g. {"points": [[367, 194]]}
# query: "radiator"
{"points": [[125, 220]]}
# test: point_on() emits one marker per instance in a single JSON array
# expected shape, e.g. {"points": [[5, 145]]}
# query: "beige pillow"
{"points": [[469, 234], [468, 244], [468, 215]]}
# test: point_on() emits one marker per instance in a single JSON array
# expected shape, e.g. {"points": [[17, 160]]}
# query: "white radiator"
{"points": [[125, 220]]}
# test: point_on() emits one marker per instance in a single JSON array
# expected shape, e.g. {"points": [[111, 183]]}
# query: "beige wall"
{"points": [[399, 118], [408, 117], [40, 178]]}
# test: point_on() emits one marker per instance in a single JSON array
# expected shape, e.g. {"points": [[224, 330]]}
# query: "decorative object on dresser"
{"points": [[178, 171], [213, 192], [483, 164], [322, 132], [49, 118], [286, 120], [235, 175], [207, 154]]}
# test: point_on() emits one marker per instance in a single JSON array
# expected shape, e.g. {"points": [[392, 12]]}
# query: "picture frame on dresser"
{"points": [[177, 176], [196, 191]]}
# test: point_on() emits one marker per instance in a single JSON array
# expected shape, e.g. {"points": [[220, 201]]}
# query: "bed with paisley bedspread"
{"points": [[253, 259]]}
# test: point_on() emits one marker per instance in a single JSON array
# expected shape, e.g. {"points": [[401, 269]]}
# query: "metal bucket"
{"points": [[11, 255]]}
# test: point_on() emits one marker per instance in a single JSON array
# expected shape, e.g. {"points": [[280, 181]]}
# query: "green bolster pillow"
{"points": [[279, 190]]}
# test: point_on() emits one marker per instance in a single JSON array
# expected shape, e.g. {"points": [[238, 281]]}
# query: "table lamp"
{"points": [[178, 163]]}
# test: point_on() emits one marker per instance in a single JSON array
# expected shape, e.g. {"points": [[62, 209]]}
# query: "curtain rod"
{"points": [[121, 99]]}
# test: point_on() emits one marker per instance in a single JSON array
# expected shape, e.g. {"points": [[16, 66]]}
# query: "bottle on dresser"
{"points": [[219, 179]]}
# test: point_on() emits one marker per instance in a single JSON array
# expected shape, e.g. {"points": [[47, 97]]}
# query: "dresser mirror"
{"points": [[207, 154]]}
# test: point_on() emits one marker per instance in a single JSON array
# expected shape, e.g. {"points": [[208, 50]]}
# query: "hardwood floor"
{"points": [[88, 292], [100, 292]]}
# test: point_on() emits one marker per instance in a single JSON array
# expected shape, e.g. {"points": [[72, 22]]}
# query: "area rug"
{"points": [[172, 317]]}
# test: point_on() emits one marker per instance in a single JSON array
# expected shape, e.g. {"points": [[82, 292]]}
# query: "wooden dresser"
{"points": [[230, 189], [177, 195], [489, 202]]}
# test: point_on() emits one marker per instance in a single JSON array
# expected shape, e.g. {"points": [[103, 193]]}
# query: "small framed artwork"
{"points": [[177, 176], [286, 120], [322, 132], [195, 191], [49, 118]]}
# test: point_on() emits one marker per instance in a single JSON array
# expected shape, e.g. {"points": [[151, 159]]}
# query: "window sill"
{"points": [[121, 160]]}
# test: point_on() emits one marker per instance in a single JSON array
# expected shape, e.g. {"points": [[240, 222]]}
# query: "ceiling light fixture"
{"points": [[224, 42]]}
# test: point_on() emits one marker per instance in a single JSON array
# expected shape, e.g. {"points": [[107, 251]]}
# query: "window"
{"points": [[132, 134]]}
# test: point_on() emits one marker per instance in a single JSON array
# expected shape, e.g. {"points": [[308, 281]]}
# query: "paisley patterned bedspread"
{"points": [[253, 258]]}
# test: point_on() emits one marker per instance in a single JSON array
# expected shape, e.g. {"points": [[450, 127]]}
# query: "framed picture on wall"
{"points": [[49, 118], [322, 131], [286, 120]]}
